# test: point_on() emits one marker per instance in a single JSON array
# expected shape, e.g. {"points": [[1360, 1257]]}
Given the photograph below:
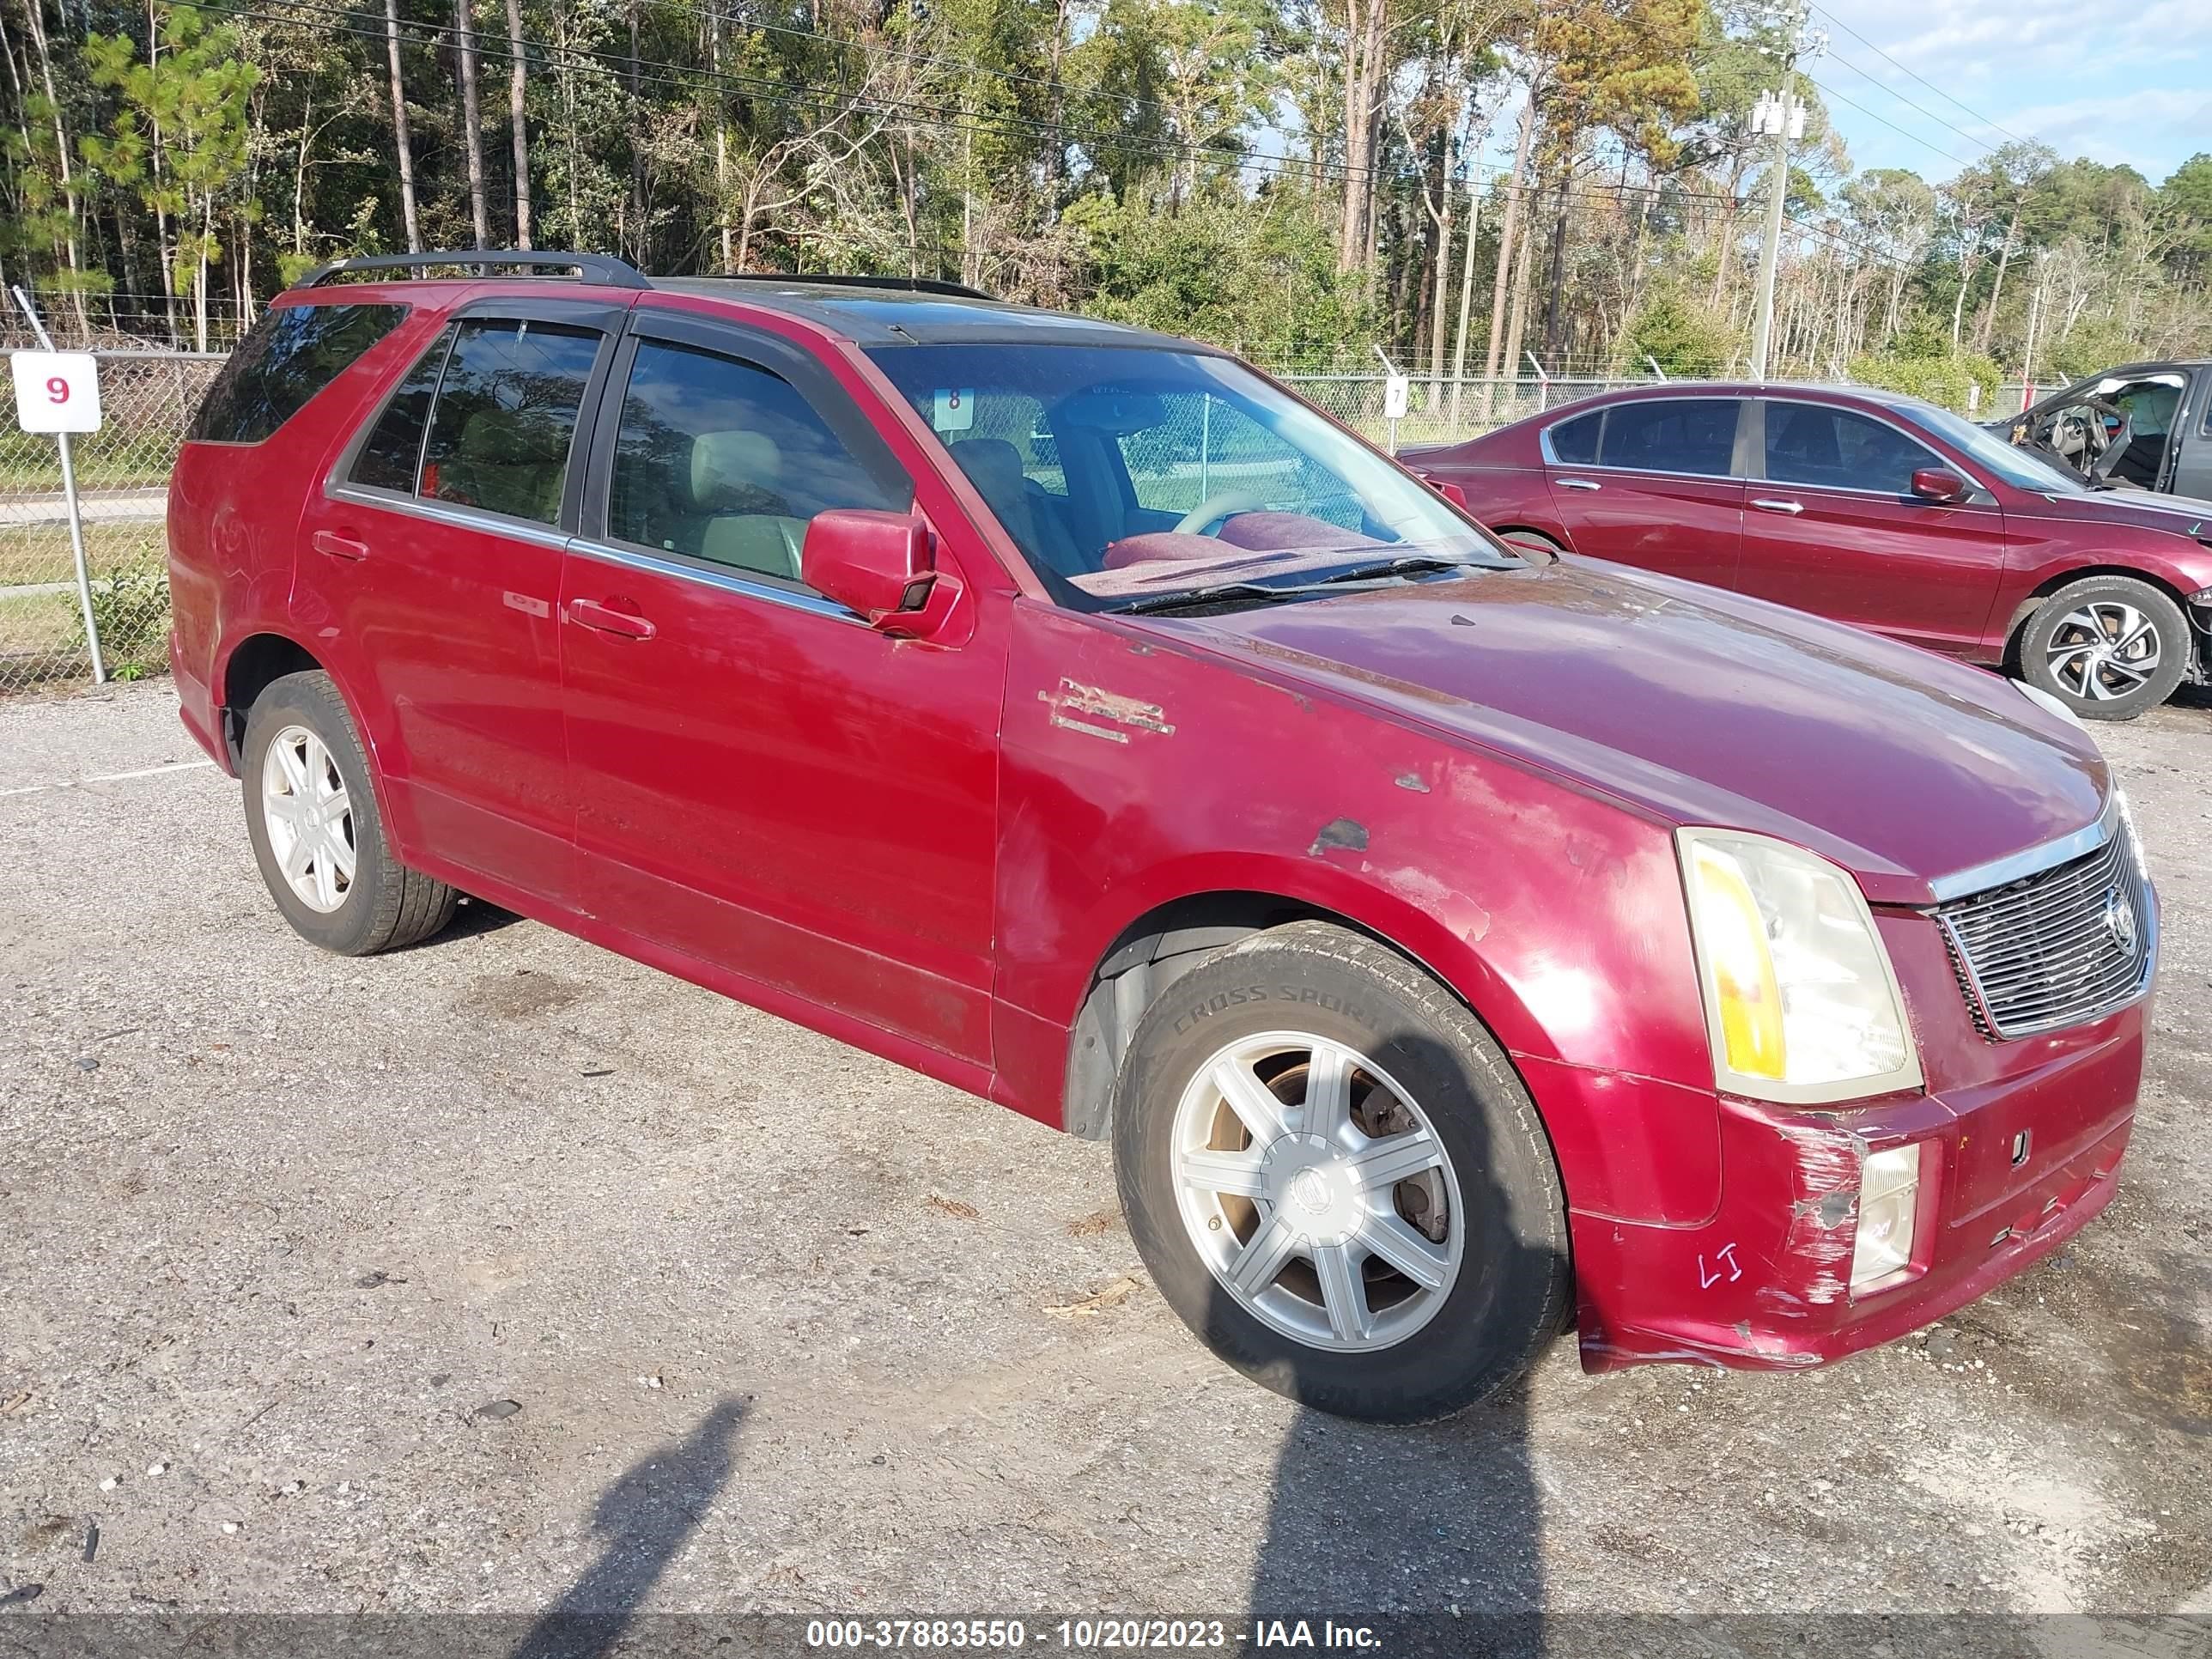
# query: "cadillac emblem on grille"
{"points": [[2120, 918]]}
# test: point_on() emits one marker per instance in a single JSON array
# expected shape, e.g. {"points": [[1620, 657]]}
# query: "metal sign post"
{"points": [[58, 391]]}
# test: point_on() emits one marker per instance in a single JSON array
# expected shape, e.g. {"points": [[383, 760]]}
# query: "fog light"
{"points": [[1889, 1193]]}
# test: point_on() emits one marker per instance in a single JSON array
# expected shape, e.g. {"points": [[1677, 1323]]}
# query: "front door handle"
{"points": [[592, 614], [1770, 505], [337, 546], [1578, 483]]}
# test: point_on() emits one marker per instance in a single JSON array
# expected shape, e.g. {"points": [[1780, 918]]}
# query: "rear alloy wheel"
{"points": [[312, 815], [1337, 1180], [2112, 646]]}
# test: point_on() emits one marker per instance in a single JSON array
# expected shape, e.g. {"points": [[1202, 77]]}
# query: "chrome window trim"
{"points": [[2015, 867], [448, 513], [728, 581]]}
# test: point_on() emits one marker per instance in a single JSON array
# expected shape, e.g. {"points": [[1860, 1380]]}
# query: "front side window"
{"points": [[292, 353], [1817, 445], [506, 416], [1122, 471], [720, 460], [1695, 435], [2014, 466]]}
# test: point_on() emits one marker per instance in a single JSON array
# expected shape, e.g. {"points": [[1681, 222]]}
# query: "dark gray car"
{"points": [[2143, 425]]}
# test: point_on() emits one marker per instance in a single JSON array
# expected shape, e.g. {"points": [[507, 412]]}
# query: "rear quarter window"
{"points": [[292, 353], [1574, 443]]}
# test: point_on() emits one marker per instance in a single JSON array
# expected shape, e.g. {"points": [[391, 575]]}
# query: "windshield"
{"points": [[1125, 472], [2016, 466]]}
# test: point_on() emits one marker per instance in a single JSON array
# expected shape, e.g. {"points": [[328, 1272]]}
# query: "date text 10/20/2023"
{"points": [[1088, 1634]]}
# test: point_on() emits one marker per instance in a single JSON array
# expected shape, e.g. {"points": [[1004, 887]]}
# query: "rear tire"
{"points": [[312, 815], [1391, 1246], [2111, 647]]}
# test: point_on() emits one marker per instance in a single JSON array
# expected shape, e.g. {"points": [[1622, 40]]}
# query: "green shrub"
{"points": [[131, 609], [1948, 378]]}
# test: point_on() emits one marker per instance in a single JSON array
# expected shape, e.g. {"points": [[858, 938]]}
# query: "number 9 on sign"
{"points": [[56, 390]]}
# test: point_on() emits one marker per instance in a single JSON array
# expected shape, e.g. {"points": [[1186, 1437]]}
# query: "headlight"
{"points": [[1800, 1002], [2050, 705]]}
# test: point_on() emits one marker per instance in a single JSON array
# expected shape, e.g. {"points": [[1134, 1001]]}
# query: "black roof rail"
{"points": [[828, 279], [589, 267]]}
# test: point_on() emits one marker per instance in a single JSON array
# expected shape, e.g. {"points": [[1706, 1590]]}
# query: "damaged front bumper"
{"points": [[2007, 1171]]}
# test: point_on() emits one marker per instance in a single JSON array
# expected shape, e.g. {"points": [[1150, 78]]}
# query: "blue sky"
{"points": [[2129, 82]]}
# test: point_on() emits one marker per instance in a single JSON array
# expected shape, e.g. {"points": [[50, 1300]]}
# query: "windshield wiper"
{"points": [[1408, 565], [1261, 593], [1223, 594]]}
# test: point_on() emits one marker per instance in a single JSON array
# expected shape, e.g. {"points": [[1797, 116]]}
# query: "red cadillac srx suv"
{"points": [[1446, 936]]}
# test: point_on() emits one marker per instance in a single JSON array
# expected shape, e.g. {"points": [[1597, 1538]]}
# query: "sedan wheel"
{"points": [[2103, 651], [2112, 646]]}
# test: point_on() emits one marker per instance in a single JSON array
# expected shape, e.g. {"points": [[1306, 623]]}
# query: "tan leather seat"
{"points": [[735, 486]]}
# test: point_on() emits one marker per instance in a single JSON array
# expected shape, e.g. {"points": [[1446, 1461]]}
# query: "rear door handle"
{"points": [[1578, 483], [592, 614], [1770, 505], [337, 546]]}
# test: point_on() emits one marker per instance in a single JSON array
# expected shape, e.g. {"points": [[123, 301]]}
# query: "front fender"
{"points": [[1136, 774]]}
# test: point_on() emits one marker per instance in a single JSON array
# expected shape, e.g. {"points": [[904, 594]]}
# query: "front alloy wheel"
{"points": [[2112, 646], [1314, 1187], [1336, 1178]]}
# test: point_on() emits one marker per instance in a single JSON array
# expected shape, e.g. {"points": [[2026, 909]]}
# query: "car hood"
{"points": [[1702, 707]]}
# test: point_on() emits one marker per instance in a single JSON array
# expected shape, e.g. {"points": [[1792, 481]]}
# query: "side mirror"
{"points": [[1940, 484], [877, 563], [1445, 488]]}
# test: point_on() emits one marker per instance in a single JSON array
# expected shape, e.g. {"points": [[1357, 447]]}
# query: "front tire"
{"points": [[312, 815], [2111, 647], [1337, 1180]]}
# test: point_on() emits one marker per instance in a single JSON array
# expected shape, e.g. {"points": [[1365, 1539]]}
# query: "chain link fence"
{"points": [[147, 400]]}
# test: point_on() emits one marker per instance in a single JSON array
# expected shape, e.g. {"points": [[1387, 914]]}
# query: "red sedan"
{"points": [[1872, 508], [1442, 938]]}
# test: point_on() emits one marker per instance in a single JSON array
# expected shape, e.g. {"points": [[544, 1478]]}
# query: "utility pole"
{"points": [[1781, 115]]}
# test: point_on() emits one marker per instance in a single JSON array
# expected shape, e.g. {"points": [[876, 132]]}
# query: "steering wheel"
{"points": [[1205, 518]]}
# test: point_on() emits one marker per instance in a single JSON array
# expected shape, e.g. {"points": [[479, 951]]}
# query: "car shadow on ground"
{"points": [[1368, 1524], [645, 1518]]}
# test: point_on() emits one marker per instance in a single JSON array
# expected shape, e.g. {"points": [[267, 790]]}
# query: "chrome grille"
{"points": [[2056, 948]]}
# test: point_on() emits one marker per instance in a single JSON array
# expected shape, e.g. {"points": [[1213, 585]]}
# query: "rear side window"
{"points": [[388, 459], [1574, 443], [506, 414], [720, 460], [1672, 435], [1812, 444], [292, 353]]}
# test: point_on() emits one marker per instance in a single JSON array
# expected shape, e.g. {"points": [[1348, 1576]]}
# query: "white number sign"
{"points": [[1395, 391], [57, 390]]}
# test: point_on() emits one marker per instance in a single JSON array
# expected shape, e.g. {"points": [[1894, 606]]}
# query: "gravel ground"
{"points": [[504, 1275]]}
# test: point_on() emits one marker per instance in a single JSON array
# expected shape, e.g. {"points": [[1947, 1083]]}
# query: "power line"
{"points": [[1978, 143], [1916, 74], [1885, 121]]}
